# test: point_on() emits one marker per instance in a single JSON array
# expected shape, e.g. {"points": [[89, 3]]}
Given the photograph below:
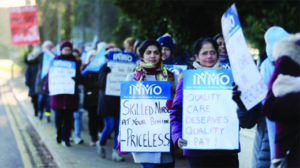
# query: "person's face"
{"points": [[152, 55], [221, 46], [66, 51], [166, 52], [207, 55], [129, 49], [76, 55]]}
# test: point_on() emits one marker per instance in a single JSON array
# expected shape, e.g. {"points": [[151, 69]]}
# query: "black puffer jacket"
{"points": [[261, 148], [108, 106], [91, 89]]}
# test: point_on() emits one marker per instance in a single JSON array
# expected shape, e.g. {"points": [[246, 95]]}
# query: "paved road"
{"points": [[76, 156]]}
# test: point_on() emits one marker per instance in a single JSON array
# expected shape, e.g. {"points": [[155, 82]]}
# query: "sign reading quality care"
{"points": [[209, 113], [144, 118]]}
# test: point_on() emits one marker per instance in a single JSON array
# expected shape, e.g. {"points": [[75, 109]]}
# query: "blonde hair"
{"points": [[129, 41]]}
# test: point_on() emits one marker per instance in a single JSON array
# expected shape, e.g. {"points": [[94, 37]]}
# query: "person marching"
{"points": [[151, 68], [205, 51]]}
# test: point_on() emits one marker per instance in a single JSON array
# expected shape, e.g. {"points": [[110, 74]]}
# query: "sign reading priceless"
{"points": [[144, 117]]}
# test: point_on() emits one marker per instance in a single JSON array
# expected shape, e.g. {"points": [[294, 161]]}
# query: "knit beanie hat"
{"points": [[65, 44], [166, 41], [272, 35]]}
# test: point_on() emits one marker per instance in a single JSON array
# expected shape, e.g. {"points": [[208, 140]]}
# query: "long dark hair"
{"points": [[148, 43]]}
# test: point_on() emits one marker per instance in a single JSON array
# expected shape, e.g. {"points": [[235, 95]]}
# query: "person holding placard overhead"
{"points": [[151, 68], [64, 100], [205, 51]]}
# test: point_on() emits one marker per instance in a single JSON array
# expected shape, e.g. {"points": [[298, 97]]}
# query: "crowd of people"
{"points": [[276, 118]]}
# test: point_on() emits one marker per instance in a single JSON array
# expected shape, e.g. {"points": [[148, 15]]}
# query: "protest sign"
{"points": [[244, 70], [121, 64], [61, 73], [144, 117], [24, 26], [209, 114], [177, 70], [47, 58], [96, 63]]}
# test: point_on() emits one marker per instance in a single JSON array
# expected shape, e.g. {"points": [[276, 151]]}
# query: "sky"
{"points": [[13, 3]]}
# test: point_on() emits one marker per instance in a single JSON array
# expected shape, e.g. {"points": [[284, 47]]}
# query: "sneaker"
{"points": [[101, 151], [116, 156], [66, 144], [93, 143], [78, 140]]}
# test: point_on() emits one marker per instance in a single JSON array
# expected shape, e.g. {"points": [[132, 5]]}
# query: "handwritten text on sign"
{"points": [[121, 64], [60, 77], [209, 114], [244, 70], [144, 118]]}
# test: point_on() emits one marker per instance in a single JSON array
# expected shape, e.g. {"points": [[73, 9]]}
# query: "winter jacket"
{"points": [[91, 89], [30, 75], [285, 110], [39, 82], [66, 101], [108, 106]]}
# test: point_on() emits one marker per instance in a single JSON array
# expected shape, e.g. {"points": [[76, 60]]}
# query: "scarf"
{"points": [[159, 70], [197, 65]]}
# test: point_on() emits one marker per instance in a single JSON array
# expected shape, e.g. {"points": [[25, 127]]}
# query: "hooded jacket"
{"points": [[284, 110]]}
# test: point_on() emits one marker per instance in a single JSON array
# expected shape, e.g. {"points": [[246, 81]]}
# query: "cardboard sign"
{"points": [[60, 77], [244, 70], [47, 57], [177, 70], [121, 64], [144, 117], [24, 26], [209, 114]]}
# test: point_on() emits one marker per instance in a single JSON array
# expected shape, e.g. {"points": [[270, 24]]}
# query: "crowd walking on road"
{"points": [[79, 79]]}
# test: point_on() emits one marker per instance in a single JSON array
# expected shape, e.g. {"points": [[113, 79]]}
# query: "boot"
{"points": [[116, 156]]}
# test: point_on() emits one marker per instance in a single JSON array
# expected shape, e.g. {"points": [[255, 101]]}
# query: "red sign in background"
{"points": [[24, 25]]}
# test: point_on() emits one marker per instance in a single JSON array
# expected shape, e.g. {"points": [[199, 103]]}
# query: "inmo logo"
{"points": [[206, 78], [140, 89], [122, 57]]}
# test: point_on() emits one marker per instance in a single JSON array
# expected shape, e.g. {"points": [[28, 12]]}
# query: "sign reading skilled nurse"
{"points": [[144, 117], [24, 26], [209, 113], [60, 77], [244, 70], [121, 64]]}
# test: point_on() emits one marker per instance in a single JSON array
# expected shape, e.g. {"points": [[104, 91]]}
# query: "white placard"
{"points": [[119, 72], [60, 77], [209, 114], [144, 118], [244, 70]]}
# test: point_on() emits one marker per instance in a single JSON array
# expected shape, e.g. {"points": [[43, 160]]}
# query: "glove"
{"points": [[181, 143], [107, 70], [236, 96]]}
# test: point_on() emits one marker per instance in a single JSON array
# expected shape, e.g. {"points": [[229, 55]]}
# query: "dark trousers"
{"points": [[96, 123], [63, 123], [222, 161], [34, 101]]}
